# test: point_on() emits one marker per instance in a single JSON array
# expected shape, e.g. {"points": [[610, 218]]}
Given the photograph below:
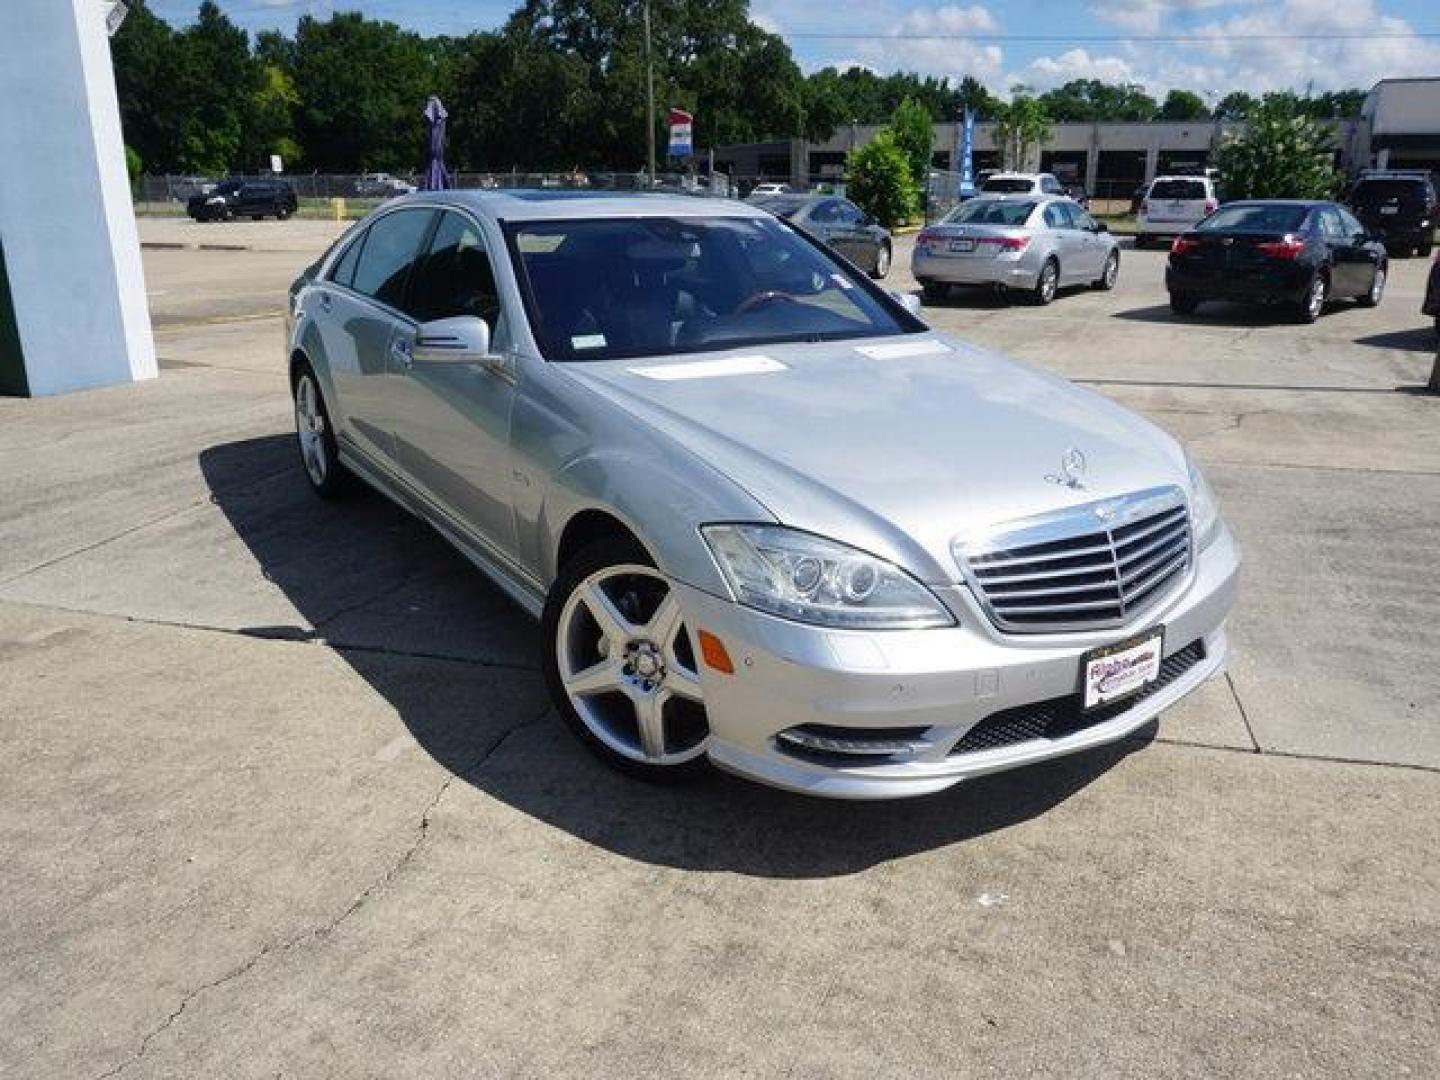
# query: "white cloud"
{"points": [[1046, 72], [975, 19], [1146, 16], [948, 54]]}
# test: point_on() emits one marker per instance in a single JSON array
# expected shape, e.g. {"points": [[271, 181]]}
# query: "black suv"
{"points": [[1399, 208], [244, 198]]}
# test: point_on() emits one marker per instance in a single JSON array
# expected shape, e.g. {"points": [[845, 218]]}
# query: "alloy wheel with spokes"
{"points": [[622, 665], [882, 262], [1314, 303], [1048, 283], [310, 428], [1377, 288], [315, 436], [1110, 273]]}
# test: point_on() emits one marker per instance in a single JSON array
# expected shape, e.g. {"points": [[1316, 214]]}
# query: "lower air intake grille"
{"points": [[1058, 717]]}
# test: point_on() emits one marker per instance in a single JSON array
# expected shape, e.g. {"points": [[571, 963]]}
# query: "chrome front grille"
{"points": [[1086, 568]]}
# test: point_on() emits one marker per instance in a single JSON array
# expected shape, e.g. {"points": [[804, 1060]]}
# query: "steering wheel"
{"points": [[763, 297]]}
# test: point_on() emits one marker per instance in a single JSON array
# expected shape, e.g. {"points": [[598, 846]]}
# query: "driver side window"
{"points": [[454, 276]]}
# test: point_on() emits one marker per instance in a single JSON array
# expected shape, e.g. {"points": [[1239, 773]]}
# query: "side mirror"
{"points": [[462, 339], [909, 301]]}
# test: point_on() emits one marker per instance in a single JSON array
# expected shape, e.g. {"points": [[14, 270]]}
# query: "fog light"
{"points": [[858, 742]]}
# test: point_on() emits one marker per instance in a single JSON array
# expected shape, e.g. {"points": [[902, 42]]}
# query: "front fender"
{"points": [[662, 501]]}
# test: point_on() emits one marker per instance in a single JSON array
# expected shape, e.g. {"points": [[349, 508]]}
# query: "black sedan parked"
{"points": [[1298, 254], [838, 224], [241, 198]]}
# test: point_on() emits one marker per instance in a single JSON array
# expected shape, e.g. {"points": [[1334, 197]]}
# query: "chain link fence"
{"points": [[342, 195]]}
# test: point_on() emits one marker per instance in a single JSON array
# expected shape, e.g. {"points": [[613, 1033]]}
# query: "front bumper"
{"points": [[936, 685]]}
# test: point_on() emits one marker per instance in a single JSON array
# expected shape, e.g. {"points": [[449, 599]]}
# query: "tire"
{"points": [[1371, 298], [1047, 284], [315, 437], [1426, 248], [934, 291], [1141, 242], [882, 262], [1106, 281], [281, 214], [1313, 306], [257, 217], [620, 664], [1181, 304]]}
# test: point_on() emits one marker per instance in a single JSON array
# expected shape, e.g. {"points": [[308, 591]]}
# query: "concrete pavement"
{"points": [[283, 796]]}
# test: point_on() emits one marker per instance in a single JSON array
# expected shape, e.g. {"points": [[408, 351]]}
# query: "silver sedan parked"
{"points": [[768, 518], [1035, 244]]}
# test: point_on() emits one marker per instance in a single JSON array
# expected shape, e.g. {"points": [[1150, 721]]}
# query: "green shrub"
{"points": [[878, 180], [1281, 155]]}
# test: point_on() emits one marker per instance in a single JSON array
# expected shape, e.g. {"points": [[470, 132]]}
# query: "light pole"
{"points": [[649, 103]]}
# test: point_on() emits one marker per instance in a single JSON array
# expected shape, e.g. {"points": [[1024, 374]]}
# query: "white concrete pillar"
{"points": [[74, 314]]}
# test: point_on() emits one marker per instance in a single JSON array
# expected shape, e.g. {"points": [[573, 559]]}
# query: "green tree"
{"points": [[217, 80], [147, 73], [1092, 100], [361, 85], [1235, 105], [1282, 154], [1183, 105], [913, 129], [973, 94], [1021, 128], [878, 180]]}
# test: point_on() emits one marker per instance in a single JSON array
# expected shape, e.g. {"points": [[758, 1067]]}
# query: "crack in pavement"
{"points": [[314, 933]]}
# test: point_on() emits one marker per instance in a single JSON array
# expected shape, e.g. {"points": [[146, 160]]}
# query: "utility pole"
{"points": [[649, 102]]}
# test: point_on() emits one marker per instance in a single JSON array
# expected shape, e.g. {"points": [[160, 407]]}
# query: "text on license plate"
{"points": [[962, 245], [1115, 671], [1389, 209]]}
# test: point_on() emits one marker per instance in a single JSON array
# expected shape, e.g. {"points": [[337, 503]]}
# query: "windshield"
{"points": [[1177, 189], [602, 288], [1012, 185], [781, 206], [1379, 192], [1255, 218], [990, 212]]}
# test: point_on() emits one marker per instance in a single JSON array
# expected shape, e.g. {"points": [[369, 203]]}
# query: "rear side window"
{"points": [[1055, 216], [390, 249], [1178, 189], [344, 272]]}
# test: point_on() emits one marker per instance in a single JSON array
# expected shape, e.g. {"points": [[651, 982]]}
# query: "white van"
{"points": [[1173, 205]]}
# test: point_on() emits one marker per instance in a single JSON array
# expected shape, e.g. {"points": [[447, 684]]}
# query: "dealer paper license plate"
{"points": [[1115, 671], [962, 245]]}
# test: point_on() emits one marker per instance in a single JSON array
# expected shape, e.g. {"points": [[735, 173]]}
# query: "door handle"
{"points": [[326, 302], [401, 352]]}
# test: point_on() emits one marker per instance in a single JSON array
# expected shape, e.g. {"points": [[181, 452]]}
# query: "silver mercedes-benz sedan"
{"points": [[769, 519], [1034, 244]]}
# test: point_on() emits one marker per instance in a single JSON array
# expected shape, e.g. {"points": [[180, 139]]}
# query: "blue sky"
{"points": [[1240, 44]]}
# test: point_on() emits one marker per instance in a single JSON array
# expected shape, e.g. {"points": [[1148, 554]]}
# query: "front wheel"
{"points": [[882, 262], [1181, 304], [621, 664], [1377, 288], [316, 437], [1106, 281], [934, 291], [1047, 283]]}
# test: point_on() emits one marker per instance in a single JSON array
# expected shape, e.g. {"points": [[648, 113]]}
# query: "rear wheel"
{"points": [[1377, 287], [1106, 280], [882, 262], [1047, 284], [1425, 248], [1181, 304], [1313, 305], [621, 665], [934, 291], [282, 214]]}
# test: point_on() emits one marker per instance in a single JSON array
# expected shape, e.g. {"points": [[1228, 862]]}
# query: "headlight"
{"points": [[1203, 507], [814, 580]]}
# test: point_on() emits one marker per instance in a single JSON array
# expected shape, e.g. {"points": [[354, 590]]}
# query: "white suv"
{"points": [[1173, 205], [1008, 183]]}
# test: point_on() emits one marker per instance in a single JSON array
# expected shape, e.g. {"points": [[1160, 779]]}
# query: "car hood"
{"points": [[895, 445]]}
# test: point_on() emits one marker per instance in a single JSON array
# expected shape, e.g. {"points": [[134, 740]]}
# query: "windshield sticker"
{"points": [[711, 369], [588, 341], [928, 347]]}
